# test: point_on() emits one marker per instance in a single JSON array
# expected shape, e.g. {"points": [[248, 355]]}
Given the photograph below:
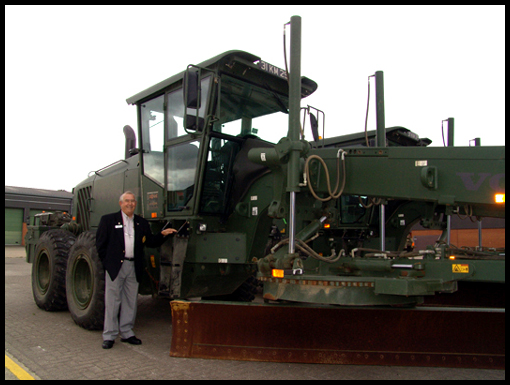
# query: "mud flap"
{"points": [[460, 338]]}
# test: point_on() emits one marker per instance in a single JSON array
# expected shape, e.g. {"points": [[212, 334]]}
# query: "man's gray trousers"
{"points": [[120, 296]]}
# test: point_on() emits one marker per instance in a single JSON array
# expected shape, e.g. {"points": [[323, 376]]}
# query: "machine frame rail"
{"points": [[438, 337]]}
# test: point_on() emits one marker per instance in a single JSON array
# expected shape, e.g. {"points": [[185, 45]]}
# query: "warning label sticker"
{"points": [[456, 268]]}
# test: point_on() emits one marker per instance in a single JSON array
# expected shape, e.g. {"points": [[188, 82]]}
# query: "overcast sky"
{"points": [[70, 69]]}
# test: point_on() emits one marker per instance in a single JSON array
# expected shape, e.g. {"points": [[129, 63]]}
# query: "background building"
{"points": [[23, 203]]}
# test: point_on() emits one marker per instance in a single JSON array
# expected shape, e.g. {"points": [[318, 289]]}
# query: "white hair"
{"points": [[121, 199]]}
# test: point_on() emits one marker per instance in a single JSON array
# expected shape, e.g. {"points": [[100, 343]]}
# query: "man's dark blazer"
{"points": [[110, 243]]}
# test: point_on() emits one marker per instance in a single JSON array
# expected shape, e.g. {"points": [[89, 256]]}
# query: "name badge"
{"points": [[118, 226]]}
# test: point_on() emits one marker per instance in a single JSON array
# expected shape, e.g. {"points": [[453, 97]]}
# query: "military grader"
{"points": [[221, 155]]}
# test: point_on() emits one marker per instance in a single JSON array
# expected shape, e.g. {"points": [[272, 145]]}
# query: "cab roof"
{"points": [[229, 62]]}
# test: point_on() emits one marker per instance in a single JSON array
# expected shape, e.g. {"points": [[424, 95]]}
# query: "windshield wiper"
{"points": [[277, 99]]}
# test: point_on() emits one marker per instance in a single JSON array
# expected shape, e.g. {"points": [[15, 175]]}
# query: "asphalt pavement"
{"points": [[50, 346]]}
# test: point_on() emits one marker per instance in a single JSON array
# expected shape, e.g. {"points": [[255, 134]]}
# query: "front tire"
{"points": [[85, 283], [49, 269]]}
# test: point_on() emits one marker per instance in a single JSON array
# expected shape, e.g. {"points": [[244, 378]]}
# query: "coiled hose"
{"points": [[332, 194]]}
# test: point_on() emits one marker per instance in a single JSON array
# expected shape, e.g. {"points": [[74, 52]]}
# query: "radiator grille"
{"points": [[83, 209]]}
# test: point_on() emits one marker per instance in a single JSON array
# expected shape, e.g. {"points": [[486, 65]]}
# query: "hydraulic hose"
{"points": [[332, 194], [301, 245]]}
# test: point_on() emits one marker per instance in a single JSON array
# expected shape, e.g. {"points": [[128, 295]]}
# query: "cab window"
{"points": [[181, 172], [152, 117]]}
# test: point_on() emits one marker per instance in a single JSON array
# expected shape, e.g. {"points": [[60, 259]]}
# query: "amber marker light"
{"points": [[452, 257], [499, 198], [277, 273]]}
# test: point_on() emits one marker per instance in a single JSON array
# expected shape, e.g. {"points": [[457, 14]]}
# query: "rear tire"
{"points": [[49, 269], [85, 283]]}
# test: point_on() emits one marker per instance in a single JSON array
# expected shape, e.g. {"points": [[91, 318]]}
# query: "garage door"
{"points": [[13, 226]]}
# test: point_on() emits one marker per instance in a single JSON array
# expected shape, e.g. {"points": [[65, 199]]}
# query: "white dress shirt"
{"points": [[129, 235]]}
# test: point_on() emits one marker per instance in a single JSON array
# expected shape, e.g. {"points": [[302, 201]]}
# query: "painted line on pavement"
{"points": [[17, 370]]}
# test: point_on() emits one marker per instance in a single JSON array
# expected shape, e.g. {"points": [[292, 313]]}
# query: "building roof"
{"points": [[38, 192]]}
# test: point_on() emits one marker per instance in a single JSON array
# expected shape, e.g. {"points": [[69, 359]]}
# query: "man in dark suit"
{"points": [[120, 239]]}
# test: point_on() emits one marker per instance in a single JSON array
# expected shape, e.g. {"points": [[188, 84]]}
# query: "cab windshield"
{"points": [[246, 109]]}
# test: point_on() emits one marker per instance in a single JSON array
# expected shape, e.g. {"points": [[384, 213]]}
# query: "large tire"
{"points": [[85, 283], [49, 269]]}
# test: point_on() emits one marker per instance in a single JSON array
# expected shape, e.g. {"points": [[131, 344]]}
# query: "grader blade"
{"points": [[460, 338]]}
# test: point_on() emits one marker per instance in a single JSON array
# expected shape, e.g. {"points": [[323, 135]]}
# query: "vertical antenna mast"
{"points": [[293, 134], [381, 142]]}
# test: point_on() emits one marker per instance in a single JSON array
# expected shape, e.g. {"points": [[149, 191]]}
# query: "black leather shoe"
{"points": [[132, 340], [107, 344]]}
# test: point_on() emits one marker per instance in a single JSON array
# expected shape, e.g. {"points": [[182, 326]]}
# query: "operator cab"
{"points": [[193, 126]]}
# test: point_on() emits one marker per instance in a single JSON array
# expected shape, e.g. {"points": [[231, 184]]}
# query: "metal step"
{"points": [[441, 337]]}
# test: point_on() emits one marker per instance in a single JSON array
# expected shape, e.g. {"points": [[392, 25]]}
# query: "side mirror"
{"points": [[314, 122], [192, 89], [315, 127], [130, 143], [194, 84]]}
